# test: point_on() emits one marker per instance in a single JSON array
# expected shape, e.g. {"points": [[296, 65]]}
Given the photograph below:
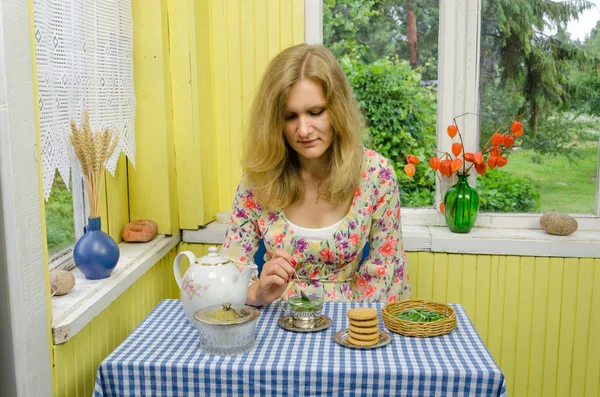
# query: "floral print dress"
{"points": [[332, 265]]}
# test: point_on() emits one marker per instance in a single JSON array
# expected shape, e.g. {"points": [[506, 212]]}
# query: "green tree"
{"points": [[518, 52]]}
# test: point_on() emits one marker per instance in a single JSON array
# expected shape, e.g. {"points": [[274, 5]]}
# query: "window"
{"points": [[389, 50], [65, 218], [473, 77]]}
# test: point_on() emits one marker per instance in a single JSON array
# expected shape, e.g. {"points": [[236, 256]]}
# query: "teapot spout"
{"points": [[245, 276]]}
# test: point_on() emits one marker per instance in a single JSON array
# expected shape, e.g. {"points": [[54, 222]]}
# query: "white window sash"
{"points": [[458, 92]]}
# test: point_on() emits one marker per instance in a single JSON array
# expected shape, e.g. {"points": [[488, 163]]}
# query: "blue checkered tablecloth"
{"points": [[162, 357]]}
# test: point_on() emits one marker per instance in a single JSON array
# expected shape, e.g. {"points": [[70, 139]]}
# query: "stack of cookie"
{"points": [[364, 327]]}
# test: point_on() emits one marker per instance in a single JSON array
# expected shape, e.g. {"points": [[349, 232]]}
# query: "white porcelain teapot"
{"points": [[211, 280]]}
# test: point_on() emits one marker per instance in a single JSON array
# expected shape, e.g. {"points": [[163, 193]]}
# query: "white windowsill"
{"points": [[483, 241], [73, 311]]}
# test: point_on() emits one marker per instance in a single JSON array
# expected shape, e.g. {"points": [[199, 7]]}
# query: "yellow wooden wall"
{"points": [[220, 49], [77, 360]]}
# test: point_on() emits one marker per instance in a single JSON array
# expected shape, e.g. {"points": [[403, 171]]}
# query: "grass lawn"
{"points": [[564, 186]]}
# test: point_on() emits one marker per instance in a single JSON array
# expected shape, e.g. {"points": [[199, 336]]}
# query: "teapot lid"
{"points": [[212, 259], [226, 314]]}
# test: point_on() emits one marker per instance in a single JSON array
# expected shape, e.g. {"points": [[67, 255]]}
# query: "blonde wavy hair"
{"points": [[271, 165]]}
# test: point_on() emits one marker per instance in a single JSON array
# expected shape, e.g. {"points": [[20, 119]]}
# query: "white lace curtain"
{"points": [[84, 55]]}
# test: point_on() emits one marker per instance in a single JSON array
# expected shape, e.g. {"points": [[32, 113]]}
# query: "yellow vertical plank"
{"points": [[185, 115], [469, 284], [454, 284], [286, 24], [65, 381], [582, 326], [509, 329], [152, 184], [555, 293], [425, 281], [104, 221], [413, 270], [592, 379], [261, 36], [203, 91], [567, 326], [83, 358], [117, 199], [523, 342], [440, 277], [496, 310], [55, 372], [482, 299], [220, 37], [247, 59], [539, 320], [273, 24], [234, 78], [298, 22]]}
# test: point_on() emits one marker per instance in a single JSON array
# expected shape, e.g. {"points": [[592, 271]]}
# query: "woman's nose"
{"points": [[304, 129]]}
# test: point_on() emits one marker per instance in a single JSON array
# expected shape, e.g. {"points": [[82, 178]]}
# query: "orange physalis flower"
{"points": [[501, 161], [456, 164], [446, 168], [497, 139], [495, 151], [478, 158], [492, 161], [517, 128], [508, 140], [442, 208], [434, 163], [456, 148], [480, 168], [452, 130], [412, 159], [470, 157], [410, 170]]}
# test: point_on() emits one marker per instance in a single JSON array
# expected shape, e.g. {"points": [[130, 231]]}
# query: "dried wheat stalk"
{"points": [[93, 151]]}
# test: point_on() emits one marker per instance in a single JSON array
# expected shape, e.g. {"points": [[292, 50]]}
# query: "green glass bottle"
{"points": [[461, 206]]}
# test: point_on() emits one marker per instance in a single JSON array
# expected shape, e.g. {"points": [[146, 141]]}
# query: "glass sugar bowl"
{"points": [[227, 329]]}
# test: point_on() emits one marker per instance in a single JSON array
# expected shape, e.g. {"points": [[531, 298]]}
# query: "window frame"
{"points": [[458, 92], [63, 260]]}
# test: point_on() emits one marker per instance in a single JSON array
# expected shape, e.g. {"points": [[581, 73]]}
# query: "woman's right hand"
{"points": [[274, 278]]}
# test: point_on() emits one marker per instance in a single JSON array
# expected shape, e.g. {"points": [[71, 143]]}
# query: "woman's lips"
{"points": [[308, 143]]}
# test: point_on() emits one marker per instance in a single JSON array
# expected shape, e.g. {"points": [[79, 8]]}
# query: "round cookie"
{"points": [[362, 342], [364, 338], [364, 331], [362, 314], [364, 324]]}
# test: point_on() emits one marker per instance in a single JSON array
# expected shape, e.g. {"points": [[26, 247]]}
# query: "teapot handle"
{"points": [[176, 270]]}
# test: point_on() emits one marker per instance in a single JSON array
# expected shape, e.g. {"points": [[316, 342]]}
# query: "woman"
{"points": [[312, 192]]}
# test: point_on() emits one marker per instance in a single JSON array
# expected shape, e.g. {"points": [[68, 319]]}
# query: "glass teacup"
{"points": [[304, 310]]}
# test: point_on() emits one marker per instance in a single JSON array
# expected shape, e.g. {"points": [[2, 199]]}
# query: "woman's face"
{"points": [[307, 126]]}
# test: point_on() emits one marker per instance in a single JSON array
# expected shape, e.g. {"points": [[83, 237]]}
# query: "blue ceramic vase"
{"points": [[96, 254]]}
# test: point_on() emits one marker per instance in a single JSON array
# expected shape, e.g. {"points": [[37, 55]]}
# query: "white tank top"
{"points": [[315, 234]]}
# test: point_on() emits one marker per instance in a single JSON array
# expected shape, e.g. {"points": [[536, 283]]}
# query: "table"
{"points": [[162, 357]]}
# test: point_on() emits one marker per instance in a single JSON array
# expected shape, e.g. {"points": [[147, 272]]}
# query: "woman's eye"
{"points": [[289, 117], [317, 112]]}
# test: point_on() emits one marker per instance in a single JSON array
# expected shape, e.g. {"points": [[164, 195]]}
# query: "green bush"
{"points": [[60, 231], [401, 118], [502, 192]]}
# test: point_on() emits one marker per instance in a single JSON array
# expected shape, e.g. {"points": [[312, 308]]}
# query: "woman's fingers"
{"points": [[279, 253], [288, 263]]}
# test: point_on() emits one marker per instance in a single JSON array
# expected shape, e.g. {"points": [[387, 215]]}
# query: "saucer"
{"points": [[341, 338], [321, 323]]}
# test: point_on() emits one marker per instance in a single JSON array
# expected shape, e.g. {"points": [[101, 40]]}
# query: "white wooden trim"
{"points": [[24, 344], [481, 241], [313, 21], [458, 70], [73, 311]]}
